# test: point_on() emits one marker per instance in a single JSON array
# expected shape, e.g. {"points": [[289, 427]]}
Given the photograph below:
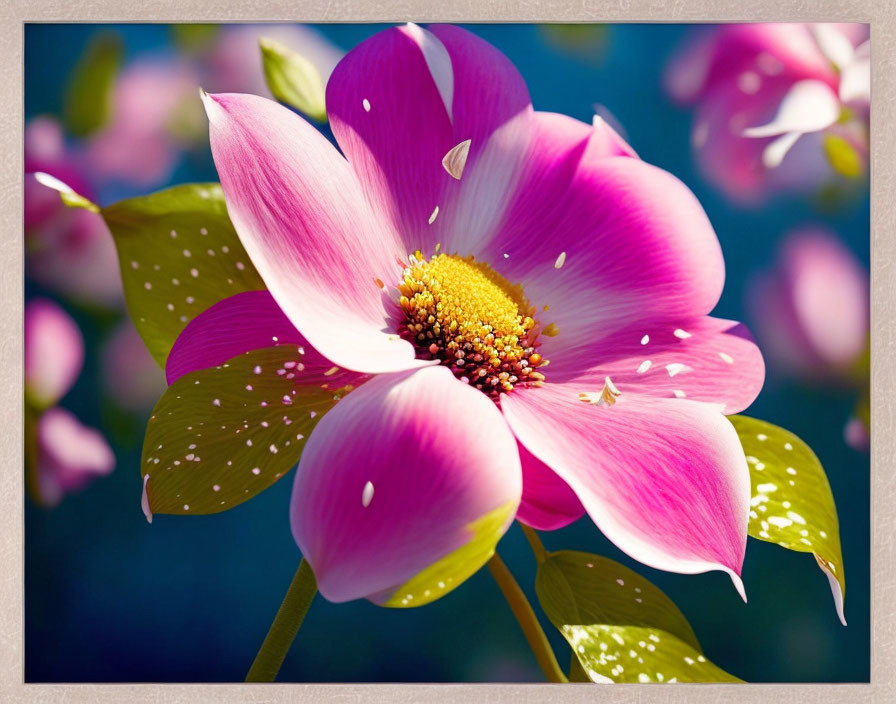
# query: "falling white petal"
{"points": [[456, 159], [367, 494]]}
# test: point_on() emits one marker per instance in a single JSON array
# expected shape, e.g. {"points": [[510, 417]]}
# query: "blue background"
{"points": [[111, 598]]}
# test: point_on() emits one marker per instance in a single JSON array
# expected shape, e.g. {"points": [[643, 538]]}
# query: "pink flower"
{"points": [[130, 375], [68, 250], [54, 352], [457, 423], [234, 62], [811, 310], [69, 455], [155, 111], [63, 455], [779, 106]]}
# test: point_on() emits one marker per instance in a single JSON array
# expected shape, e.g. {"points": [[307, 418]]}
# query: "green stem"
{"points": [[535, 636], [535, 542], [285, 626]]}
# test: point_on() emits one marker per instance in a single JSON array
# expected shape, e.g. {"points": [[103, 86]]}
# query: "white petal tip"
{"points": [[52, 182], [144, 501], [739, 585]]}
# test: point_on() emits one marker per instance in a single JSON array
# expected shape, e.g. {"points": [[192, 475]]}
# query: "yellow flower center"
{"points": [[465, 314]]}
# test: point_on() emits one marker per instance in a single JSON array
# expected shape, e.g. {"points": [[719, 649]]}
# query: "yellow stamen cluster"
{"points": [[465, 314]]}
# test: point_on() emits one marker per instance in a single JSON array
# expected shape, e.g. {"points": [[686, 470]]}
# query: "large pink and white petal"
{"points": [[518, 164], [487, 88], [702, 359], [388, 102], [69, 455], [321, 249], [665, 479], [599, 246], [404, 475], [400, 101], [54, 352], [548, 503]]}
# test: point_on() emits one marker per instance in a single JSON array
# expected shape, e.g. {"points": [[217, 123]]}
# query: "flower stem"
{"points": [[285, 626], [535, 542], [535, 636]]}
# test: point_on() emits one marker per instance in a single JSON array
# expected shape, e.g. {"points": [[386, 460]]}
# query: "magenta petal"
{"points": [[69, 455], [391, 121], [548, 503], [247, 321], [597, 241], [400, 101], [532, 154], [54, 352], [702, 359], [488, 89], [665, 480], [393, 478], [303, 220]]}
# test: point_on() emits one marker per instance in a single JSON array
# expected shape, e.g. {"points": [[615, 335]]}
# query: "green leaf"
{"points": [[89, 96], [452, 570], [621, 627], [791, 502], [293, 79], [179, 255], [194, 37], [842, 156], [219, 436]]}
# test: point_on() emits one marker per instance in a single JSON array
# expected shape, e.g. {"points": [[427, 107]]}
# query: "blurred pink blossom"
{"points": [[63, 454], [69, 455], [67, 250], [811, 310], [130, 374], [234, 62], [156, 110], [778, 106], [54, 352]]}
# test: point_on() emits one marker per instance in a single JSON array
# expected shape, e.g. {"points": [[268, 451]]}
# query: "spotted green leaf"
{"points": [[88, 98], [791, 502], [452, 570], [219, 436], [293, 79], [620, 626], [179, 255]]}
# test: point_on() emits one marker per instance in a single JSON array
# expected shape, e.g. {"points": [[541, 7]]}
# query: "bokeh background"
{"points": [[112, 598]]}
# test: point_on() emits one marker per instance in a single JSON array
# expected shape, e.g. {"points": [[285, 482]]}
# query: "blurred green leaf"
{"points": [[90, 92], [791, 502], [842, 156], [219, 436], [621, 627], [179, 255], [293, 79], [194, 37]]}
